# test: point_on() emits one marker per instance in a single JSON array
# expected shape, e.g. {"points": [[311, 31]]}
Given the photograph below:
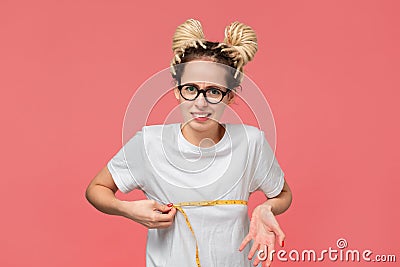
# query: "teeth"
{"points": [[201, 115]]}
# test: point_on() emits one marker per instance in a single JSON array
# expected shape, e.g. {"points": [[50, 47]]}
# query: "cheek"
{"points": [[183, 102], [184, 105], [218, 111], [219, 108]]}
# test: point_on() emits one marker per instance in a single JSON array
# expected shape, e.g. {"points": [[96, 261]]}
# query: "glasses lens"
{"points": [[189, 92], [214, 95]]}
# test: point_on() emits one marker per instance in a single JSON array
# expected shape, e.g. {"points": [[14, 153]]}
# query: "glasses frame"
{"points": [[204, 91]]}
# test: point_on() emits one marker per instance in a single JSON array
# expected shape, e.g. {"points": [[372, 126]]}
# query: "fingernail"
{"points": [[283, 243], [170, 205]]}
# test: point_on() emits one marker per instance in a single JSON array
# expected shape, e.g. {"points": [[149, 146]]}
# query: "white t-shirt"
{"points": [[169, 169]]}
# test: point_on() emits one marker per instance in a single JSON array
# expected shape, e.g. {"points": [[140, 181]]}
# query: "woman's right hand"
{"points": [[149, 213]]}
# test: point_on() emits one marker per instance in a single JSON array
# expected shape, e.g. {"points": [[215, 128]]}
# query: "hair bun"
{"points": [[242, 42], [188, 34]]}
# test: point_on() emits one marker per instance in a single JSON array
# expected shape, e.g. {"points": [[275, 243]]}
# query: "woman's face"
{"points": [[200, 114]]}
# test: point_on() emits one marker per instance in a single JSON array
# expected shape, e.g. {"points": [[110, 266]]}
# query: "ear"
{"points": [[176, 93], [231, 97]]}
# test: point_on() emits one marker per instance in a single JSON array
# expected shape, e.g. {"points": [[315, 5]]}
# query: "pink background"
{"points": [[68, 69]]}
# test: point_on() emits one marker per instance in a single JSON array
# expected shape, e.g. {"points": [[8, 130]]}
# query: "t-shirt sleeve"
{"points": [[268, 175], [126, 165]]}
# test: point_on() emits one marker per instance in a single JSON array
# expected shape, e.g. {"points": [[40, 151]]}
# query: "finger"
{"points": [[263, 254], [271, 247], [166, 217], [170, 205], [260, 255], [266, 264], [161, 207], [279, 234], [253, 250], [245, 241], [171, 212]]}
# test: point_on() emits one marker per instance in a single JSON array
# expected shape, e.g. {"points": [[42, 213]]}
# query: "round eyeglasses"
{"points": [[212, 94]]}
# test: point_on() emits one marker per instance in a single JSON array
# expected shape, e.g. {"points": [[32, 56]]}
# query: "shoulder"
{"points": [[158, 134], [252, 133], [151, 132], [159, 128], [240, 126]]}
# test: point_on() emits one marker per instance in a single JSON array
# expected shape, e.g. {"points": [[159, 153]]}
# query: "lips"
{"points": [[200, 114]]}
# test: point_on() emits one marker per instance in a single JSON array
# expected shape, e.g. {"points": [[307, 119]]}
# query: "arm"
{"points": [[280, 203], [101, 194], [264, 228]]}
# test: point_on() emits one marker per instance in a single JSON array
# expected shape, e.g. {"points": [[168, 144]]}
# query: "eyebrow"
{"points": [[209, 86]]}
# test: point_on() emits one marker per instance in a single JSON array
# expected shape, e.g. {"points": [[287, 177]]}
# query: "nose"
{"points": [[200, 101]]}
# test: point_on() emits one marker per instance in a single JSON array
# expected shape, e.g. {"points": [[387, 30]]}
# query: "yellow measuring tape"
{"points": [[203, 203]]}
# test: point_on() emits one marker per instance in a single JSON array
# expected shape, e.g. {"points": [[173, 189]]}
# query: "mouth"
{"points": [[200, 116]]}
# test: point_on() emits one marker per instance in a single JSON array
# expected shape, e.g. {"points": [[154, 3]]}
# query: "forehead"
{"points": [[205, 71]]}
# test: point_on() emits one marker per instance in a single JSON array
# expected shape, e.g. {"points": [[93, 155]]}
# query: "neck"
{"points": [[207, 138]]}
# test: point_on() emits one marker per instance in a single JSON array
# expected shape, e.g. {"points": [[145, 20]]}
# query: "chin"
{"points": [[201, 126]]}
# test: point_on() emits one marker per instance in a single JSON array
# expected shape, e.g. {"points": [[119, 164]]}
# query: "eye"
{"points": [[214, 91], [190, 89]]}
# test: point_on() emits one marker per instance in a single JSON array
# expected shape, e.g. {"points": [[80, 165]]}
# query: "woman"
{"points": [[199, 174]]}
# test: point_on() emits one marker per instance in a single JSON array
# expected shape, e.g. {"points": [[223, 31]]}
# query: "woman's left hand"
{"points": [[264, 229]]}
